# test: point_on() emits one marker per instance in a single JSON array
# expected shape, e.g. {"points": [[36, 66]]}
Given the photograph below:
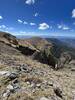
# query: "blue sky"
{"points": [[38, 17]]}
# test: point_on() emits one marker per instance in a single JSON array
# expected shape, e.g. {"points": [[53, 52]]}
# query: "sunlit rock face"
{"points": [[8, 39]]}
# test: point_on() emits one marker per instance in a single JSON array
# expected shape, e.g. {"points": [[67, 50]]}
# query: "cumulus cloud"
{"points": [[1, 17], [32, 24], [25, 22], [2, 26], [30, 2], [73, 13], [63, 27], [59, 26], [9, 28], [5, 28], [43, 26], [36, 14], [20, 21]]}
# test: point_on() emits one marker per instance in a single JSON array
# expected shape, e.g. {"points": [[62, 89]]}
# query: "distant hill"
{"points": [[68, 41], [62, 45]]}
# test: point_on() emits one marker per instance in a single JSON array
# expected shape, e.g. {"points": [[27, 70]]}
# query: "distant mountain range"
{"points": [[59, 42], [68, 41], [63, 45]]}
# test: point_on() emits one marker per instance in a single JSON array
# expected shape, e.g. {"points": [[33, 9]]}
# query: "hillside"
{"points": [[24, 78], [8, 38], [62, 45], [68, 41]]}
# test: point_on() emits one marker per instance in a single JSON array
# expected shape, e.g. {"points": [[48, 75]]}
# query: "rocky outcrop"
{"points": [[12, 39], [26, 50], [8, 39], [64, 59]]}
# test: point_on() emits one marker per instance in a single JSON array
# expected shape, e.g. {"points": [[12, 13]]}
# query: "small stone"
{"points": [[16, 87], [13, 75], [6, 73], [72, 69], [32, 85], [15, 81], [38, 85], [10, 87], [50, 83], [28, 83], [6, 94], [25, 68], [58, 92]]}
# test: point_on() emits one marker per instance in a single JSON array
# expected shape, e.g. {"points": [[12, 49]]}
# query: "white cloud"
{"points": [[73, 13], [59, 26], [32, 24], [5, 28], [25, 22], [2, 27], [36, 14], [43, 26], [20, 21], [9, 28], [1, 17], [63, 27], [30, 2]]}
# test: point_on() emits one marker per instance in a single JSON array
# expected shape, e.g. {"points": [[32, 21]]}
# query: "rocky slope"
{"points": [[8, 39], [22, 78]]}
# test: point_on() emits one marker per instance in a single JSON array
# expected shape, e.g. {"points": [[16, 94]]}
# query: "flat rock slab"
{"points": [[4, 73]]}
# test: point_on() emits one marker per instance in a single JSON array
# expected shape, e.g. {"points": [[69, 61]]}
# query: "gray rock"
{"points": [[10, 88], [65, 58], [73, 69], [6, 73], [58, 89], [58, 92], [6, 94], [13, 75], [38, 85], [25, 68]]}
